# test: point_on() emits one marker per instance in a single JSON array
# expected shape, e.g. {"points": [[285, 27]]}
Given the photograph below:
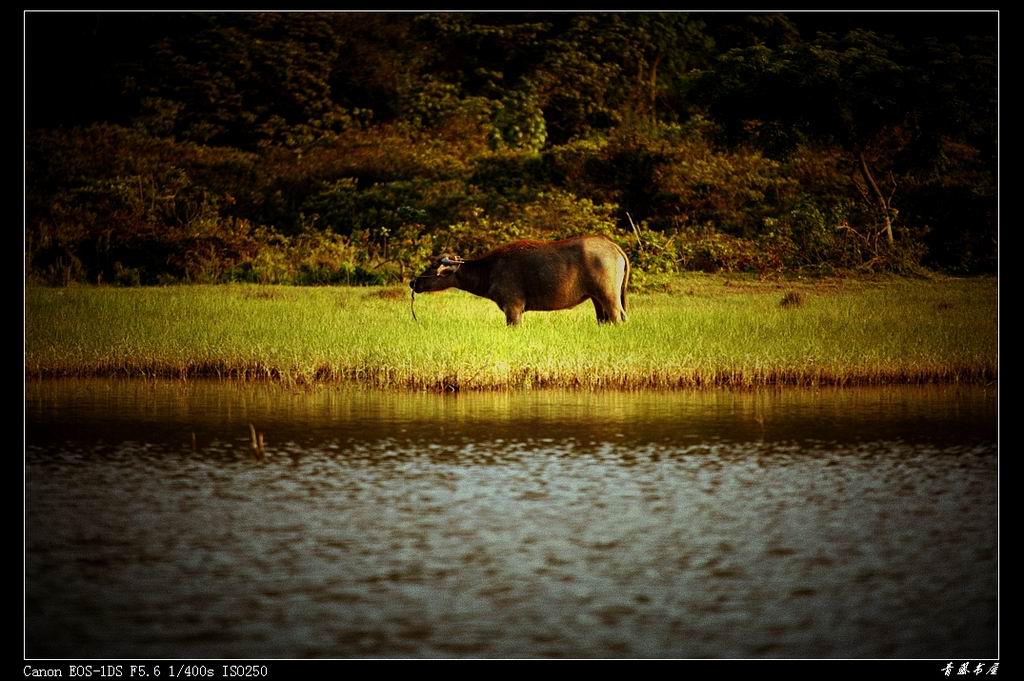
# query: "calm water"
{"points": [[839, 523]]}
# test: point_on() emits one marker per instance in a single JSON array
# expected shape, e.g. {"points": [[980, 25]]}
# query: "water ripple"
{"points": [[403, 543]]}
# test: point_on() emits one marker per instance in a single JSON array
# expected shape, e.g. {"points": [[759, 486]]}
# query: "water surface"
{"points": [[827, 523]]}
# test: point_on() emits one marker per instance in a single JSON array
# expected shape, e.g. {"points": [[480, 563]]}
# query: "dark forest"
{"points": [[316, 148]]}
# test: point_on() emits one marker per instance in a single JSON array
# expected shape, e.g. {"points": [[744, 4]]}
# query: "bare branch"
{"points": [[639, 241]]}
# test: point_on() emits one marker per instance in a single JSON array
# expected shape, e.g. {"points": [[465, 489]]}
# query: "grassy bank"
{"points": [[702, 330]]}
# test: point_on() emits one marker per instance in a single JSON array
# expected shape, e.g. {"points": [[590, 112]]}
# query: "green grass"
{"points": [[704, 330]]}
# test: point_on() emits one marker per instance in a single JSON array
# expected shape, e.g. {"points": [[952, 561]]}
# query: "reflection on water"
{"points": [[839, 523]]}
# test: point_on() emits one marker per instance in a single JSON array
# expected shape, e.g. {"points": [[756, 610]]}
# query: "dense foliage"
{"points": [[346, 148]]}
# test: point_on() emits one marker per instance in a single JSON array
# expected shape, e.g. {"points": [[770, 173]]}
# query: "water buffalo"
{"points": [[539, 275]]}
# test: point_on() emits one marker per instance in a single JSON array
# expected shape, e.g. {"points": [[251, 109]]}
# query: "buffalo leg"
{"points": [[609, 311], [617, 313]]}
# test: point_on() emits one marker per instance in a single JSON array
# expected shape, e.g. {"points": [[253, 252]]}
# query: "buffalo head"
{"points": [[439, 274]]}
